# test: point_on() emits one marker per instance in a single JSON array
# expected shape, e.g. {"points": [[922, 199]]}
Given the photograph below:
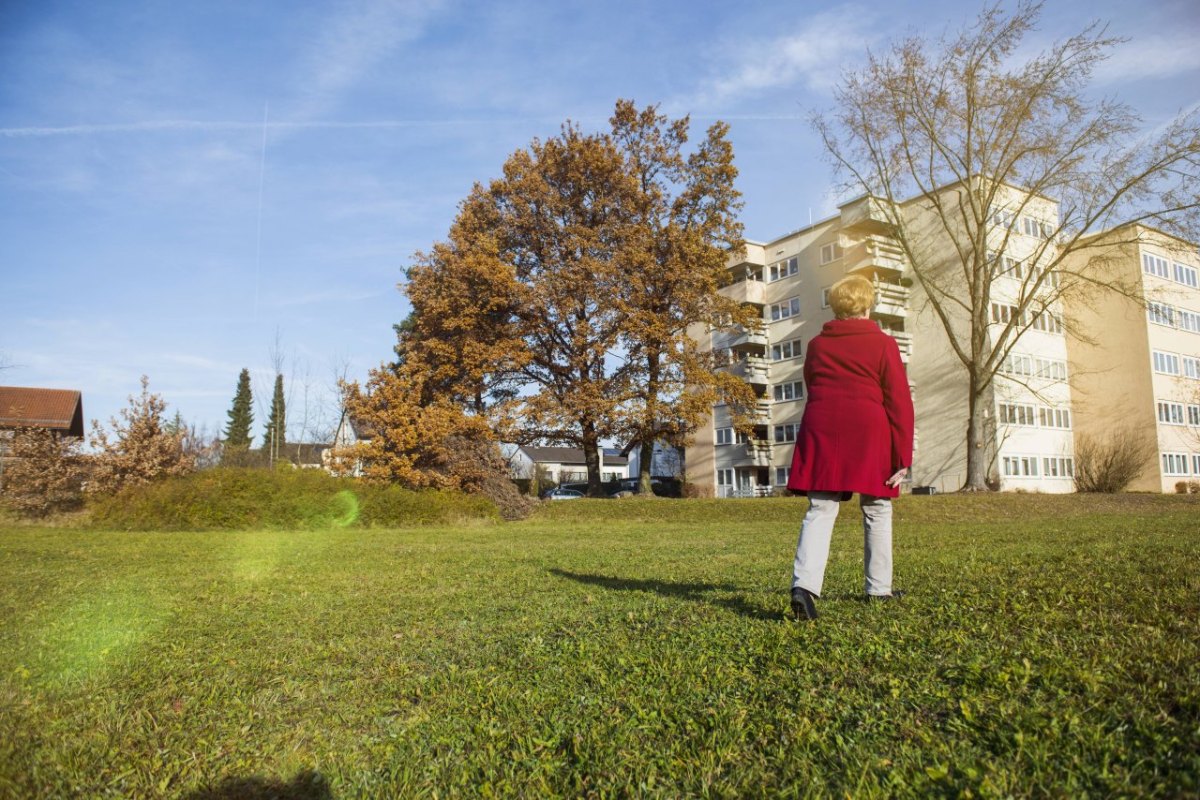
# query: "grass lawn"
{"points": [[1048, 646]]}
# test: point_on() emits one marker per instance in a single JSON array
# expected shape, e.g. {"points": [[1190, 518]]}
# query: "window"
{"points": [[1166, 363], [1051, 369], [1154, 265], [1054, 417], [1186, 275], [1193, 414], [1003, 219], [786, 433], [825, 297], [1051, 279], [1170, 413], [1017, 414], [781, 475], [1057, 467], [1017, 364], [724, 477], [1175, 463], [1020, 466], [1002, 313], [1161, 314], [1195, 464], [788, 308], [724, 435], [1048, 321], [830, 252], [1189, 321], [789, 391], [784, 269], [1036, 228], [1191, 367], [785, 350], [1013, 267]]}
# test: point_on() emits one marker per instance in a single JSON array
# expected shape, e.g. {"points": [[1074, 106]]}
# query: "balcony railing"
{"points": [[756, 453], [904, 341], [751, 369], [872, 255], [891, 299], [866, 213], [746, 291]]}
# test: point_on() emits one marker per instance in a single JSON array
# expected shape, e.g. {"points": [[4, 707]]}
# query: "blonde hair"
{"points": [[852, 296]]}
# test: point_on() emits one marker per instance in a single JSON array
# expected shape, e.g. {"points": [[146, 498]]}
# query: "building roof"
{"points": [[565, 455], [52, 409]]}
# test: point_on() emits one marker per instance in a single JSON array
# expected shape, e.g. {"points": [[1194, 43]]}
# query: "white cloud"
{"points": [[1154, 56], [811, 57], [355, 42]]}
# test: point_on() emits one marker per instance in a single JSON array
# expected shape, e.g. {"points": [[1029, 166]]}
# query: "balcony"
{"points": [[755, 453], [891, 300], [746, 290], [873, 255], [865, 214], [904, 341], [751, 369]]}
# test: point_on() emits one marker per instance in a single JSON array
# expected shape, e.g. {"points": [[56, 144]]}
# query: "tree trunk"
{"points": [[645, 462], [591, 457], [977, 444]]}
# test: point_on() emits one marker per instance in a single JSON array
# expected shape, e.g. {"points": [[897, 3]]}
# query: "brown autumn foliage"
{"points": [[1111, 462], [587, 246], [424, 442], [43, 473], [142, 446]]}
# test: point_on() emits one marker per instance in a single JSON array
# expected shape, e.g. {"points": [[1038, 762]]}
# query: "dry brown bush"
{"points": [[43, 473], [1110, 463]]}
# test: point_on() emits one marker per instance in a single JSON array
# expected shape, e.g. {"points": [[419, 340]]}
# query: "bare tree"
{"points": [[958, 141]]}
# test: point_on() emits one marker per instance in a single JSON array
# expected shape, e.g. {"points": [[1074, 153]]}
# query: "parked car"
{"points": [[562, 494], [662, 487]]}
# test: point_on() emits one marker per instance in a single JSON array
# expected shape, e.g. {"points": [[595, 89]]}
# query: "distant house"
{"points": [[350, 431], [308, 455], [57, 410], [666, 462], [564, 464]]}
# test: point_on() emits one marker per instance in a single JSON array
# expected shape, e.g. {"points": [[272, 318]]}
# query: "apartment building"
{"points": [[1138, 367], [787, 279]]}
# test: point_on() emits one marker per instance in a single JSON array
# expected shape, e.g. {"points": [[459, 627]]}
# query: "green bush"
{"points": [[232, 498]]}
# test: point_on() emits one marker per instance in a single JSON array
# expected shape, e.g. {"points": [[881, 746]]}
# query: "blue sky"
{"points": [[184, 184]]}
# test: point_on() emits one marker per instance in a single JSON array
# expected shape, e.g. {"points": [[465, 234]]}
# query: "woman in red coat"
{"points": [[856, 436]]}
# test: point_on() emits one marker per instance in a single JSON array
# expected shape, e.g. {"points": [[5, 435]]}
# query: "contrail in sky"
{"points": [[187, 125]]}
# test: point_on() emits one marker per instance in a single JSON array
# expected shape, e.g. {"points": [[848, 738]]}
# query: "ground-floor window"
{"points": [[1058, 467], [1175, 463], [783, 473], [1020, 466]]}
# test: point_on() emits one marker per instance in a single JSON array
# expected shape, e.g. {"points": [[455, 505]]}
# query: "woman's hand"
{"points": [[894, 481]]}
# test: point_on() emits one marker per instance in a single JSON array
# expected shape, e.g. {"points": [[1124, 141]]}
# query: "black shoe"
{"points": [[896, 595], [802, 604]]}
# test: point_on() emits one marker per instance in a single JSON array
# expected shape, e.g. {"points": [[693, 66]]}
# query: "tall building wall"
{"points": [[787, 277], [1138, 355]]}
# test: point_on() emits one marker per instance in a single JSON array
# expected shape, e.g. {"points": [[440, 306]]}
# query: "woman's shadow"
{"points": [[307, 785], [694, 592]]}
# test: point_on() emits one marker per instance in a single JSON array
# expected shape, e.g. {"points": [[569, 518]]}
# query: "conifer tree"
{"points": [[273, 439], [241, 415]]}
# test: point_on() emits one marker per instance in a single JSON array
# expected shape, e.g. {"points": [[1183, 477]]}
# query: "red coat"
{"points": [[857, 429]]}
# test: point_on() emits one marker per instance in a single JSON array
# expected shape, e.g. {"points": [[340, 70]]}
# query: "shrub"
{"points": [[43, 473], [1111, 464], [141, 447], [230, 498]]}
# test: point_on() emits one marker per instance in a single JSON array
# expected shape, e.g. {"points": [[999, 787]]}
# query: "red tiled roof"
{"points": [[55, 409]]}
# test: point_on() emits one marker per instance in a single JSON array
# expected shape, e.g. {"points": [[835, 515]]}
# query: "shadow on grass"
{"points": [[695, 592], [308, 785]]}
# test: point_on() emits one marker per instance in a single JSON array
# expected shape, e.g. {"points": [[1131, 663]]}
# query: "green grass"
{"points": [[1049, 646]]}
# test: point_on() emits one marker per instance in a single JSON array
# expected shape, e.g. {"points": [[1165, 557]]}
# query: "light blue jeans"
{"points": [[812, 551]]}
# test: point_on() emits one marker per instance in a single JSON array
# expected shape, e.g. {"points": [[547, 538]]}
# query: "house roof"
{"points": [[565, 455], [52, 409]]}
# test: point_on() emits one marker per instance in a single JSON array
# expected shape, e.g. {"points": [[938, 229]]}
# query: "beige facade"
{"points": [[1137, 364], [1029, 414]]}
